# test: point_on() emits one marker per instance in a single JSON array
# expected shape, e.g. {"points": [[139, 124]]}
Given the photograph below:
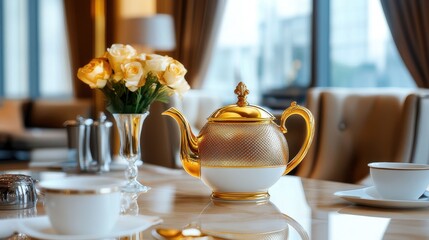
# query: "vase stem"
{"points": [[129, 127], [131, 172]]}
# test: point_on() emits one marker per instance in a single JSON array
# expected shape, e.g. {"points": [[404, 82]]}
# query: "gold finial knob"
{"points": [[242, 92]]}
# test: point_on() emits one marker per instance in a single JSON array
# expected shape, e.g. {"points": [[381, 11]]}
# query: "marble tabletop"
{"points": [[298, 208]]}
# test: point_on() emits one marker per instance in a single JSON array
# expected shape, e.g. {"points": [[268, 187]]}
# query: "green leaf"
{"points": [[119, 99]]}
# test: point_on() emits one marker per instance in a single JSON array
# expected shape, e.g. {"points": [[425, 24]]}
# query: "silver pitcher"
{"points": [[89, 143], [78, 136], [100, 143]]}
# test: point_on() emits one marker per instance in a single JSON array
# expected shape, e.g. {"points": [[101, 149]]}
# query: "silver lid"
{"points": [[17, 191]]}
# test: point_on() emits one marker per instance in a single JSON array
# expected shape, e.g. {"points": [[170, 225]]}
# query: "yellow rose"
{"points": [[95, 73], [155, 63], [117, 54], [174, 73], [133, 72]]}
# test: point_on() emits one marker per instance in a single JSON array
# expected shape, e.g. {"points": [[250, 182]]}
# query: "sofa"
{"points": [[28, 125]]}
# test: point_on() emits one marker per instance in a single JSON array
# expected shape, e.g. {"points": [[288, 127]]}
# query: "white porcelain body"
{"points": [[82, 205], [237, 180], [399, 181]]}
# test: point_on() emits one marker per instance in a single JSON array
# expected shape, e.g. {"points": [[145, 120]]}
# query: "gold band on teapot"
{"points": [[241, 196]]}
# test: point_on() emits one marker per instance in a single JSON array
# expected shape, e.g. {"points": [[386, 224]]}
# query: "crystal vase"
{"points": [[129, 127]]}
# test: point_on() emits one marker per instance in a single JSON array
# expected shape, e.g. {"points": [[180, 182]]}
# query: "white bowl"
{"points": [[82, 205], [399, 181]]}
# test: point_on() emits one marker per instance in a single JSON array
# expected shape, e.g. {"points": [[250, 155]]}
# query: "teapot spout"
{"points": [[188, 144]]}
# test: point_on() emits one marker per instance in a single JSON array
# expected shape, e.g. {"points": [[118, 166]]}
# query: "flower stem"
{"points": [[139, 97]]}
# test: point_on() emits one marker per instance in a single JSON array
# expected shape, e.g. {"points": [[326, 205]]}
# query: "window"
{"points": [[35, 60], [55, 66], [15, 48], [265, 43], [362, 50]]}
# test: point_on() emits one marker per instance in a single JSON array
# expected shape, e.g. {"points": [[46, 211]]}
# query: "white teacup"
{"points": [[399, 181], [82, 205]]}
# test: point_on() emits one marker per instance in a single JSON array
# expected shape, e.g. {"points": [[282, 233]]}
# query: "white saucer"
{"points": [[369, 197], [40, 227]]}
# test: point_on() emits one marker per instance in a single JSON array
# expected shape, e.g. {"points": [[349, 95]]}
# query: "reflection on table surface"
{"points": [[297, 207]]}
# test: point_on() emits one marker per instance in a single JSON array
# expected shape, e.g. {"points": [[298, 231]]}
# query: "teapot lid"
{"points": [[241, 111]]}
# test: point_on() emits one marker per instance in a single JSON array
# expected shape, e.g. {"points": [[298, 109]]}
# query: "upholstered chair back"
{"points": [[355, 127]]}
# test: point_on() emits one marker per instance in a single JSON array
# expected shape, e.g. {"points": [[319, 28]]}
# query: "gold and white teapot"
{"points": [[241, 152]]}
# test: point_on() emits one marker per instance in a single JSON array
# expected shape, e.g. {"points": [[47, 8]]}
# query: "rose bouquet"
{"points": [[132, 81]]}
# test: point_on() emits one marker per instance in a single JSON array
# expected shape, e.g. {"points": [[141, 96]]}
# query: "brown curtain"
{"points": [[81, 30], [81, 40], [409, 23], [196, 24]]}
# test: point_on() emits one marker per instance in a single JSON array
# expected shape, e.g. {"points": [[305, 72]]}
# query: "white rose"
{"points": [[174, 73], [155, 63], [181, 87], [133, 72], [117, 54], [95, 73]]}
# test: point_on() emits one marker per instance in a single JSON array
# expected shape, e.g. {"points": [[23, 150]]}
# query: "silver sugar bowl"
{"points": [[17, 191]]}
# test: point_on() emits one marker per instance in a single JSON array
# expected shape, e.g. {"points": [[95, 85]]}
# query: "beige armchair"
{"points": [[355, 127]]}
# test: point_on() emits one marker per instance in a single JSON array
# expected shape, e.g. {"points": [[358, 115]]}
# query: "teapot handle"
{"points": [[309, 120]]}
